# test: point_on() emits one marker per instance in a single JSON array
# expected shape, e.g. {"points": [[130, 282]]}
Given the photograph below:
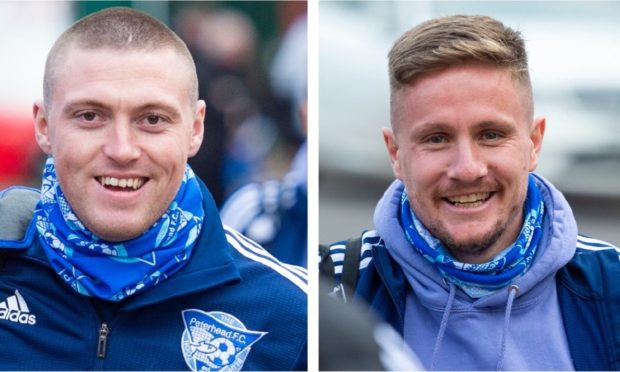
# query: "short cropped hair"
{"points": [[120, 29]]}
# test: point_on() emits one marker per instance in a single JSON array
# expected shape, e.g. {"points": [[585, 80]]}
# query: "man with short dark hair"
{"points": [[476, 260], [121, 261]]}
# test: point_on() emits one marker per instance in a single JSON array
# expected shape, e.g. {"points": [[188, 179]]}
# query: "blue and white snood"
{"points": [[478, 280], [115, 270]]}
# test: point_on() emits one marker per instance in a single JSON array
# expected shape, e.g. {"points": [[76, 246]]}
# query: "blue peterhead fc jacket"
{"points": [[232, 307], [588, 291]]}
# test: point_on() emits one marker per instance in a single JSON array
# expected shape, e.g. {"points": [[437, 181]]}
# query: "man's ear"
{"points": [[392, 148], [198, 128], [536, 137], [41, 127]]}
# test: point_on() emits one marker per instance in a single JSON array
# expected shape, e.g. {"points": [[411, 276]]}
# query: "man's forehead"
{"points": [[471, 73], [77, 63], [459, 83]]}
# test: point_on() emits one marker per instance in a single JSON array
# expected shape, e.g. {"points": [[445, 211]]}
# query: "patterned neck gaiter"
{"points": [[115, 270], [478, 280]]}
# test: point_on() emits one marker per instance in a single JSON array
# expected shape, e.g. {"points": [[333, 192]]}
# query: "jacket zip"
{"points": [[103, 340]]}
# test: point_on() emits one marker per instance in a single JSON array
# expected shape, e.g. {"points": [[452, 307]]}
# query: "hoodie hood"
{"points": [[428, 301]]}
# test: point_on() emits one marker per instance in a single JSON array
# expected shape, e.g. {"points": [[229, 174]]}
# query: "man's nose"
{"points": [[467, 164], [120, 143]]}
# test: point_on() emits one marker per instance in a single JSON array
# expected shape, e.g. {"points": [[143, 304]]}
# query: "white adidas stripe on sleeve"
{"points": [[592, 244], [258, 249], [258, 254]]}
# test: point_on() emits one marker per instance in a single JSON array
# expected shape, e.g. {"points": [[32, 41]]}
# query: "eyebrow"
{"points": [[172, 111], [427, 128], [72, 106], [499, 124]]}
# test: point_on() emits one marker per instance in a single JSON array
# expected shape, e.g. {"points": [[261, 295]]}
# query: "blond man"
{"points": [[475, 259]]}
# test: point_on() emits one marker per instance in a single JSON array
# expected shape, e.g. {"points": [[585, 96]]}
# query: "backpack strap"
{"points": [[350, 266], [326, 265]]}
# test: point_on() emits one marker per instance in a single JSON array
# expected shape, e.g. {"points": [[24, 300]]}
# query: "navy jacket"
{"points": [[232, 306], [588, 291]]}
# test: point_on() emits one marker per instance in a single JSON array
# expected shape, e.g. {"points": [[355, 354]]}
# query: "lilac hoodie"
{"points": [[522, 330]]}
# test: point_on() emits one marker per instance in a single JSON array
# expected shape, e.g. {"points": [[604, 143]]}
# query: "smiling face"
{"points": [[463, 144], [120, 126]]}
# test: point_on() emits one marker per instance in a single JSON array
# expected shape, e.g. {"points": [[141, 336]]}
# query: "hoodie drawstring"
{"points": [[442, 327], [513, 291]]}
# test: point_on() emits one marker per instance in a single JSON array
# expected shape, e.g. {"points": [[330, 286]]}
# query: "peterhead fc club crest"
{"points": [[215, 341]]}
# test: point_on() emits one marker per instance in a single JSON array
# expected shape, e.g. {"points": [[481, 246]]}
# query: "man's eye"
{"points": [[490, 135], [153, 119], [436, 139], [88, 116]]}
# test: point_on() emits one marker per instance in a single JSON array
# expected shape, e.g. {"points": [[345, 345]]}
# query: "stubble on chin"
{"points": [[469, 251], [475, 250]]}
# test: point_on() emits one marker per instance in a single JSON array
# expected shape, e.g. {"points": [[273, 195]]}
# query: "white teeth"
{"points": [[471, 199], [134, 183], [137, 183]]}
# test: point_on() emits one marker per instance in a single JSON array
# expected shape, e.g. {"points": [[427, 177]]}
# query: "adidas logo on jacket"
{"points": [[15, 309]]}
